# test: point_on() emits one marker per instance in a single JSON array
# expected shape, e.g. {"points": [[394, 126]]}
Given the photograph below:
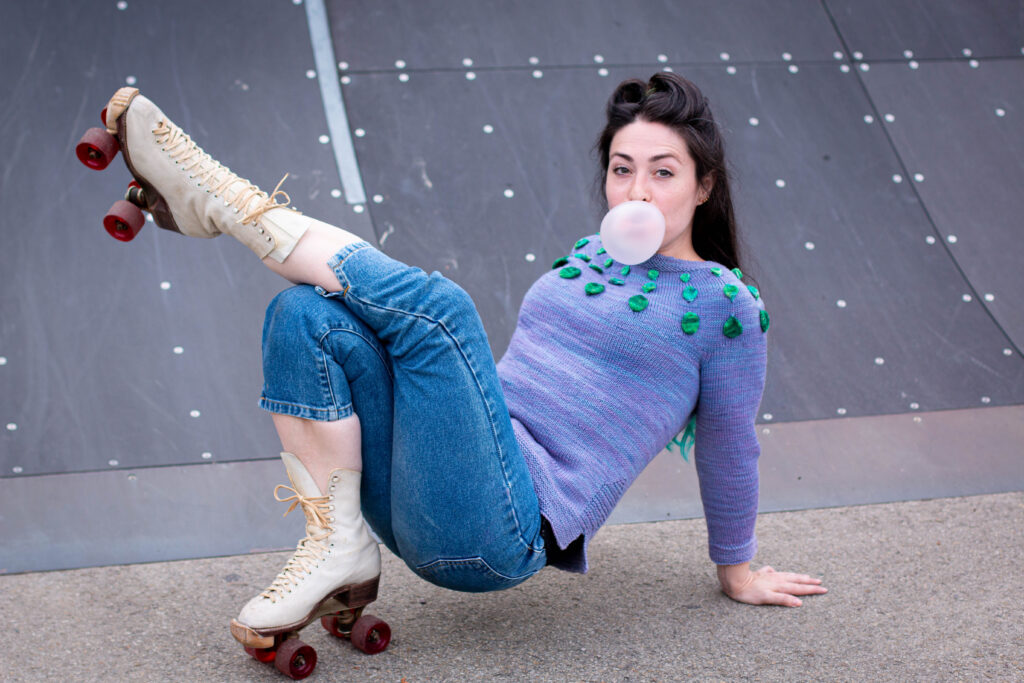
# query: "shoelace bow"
{"points": [[216, 176], [310, 549]]}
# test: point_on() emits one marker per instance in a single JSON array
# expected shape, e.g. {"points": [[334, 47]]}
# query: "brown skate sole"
{"points": [[352, 596], [155, 203]]}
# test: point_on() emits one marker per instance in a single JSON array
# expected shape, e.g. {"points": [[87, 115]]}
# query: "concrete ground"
{"points": [[919, 591]]}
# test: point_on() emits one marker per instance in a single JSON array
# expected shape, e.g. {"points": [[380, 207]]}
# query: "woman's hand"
{"points": [[766, 586]]}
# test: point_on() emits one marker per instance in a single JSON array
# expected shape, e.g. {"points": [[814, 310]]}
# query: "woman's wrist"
{"points": [[734, 577]]}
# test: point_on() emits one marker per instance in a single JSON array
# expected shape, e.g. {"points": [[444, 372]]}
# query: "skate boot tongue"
{"points": [[302, 480]]}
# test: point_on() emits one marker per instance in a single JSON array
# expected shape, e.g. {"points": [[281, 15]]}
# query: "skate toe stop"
{"points": [[248, 637]]}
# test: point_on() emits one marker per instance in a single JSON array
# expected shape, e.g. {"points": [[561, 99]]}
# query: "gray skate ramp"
{"points": [[876, 166]]}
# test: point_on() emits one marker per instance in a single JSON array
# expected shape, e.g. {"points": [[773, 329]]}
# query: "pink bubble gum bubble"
{"points": [[632, 232]]}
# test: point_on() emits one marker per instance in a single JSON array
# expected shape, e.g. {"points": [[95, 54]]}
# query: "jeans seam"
{"points": [[490, 412], [475, 558], [362, 336]]}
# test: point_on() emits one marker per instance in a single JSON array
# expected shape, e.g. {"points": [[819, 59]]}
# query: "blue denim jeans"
{"points": [[444, 484]]}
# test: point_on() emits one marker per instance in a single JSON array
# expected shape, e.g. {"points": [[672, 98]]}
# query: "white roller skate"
{"points": [[183, 187], [332, 576]]}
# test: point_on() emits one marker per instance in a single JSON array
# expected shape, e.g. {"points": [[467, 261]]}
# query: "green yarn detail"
{"points": [[581, 243], [608, 263], [716, 271], [617, 281], [569, 272], [638, 302], [593, 288], [738, 273], [685, 277], [684, 441], [690, 293], [730, 291], [764, 321], [559, 262], [624, 271], [753, 290], [597, 268], [602, 250], [732, 327], [582, 257], [690, 323], [648, 287], [653, 274]]}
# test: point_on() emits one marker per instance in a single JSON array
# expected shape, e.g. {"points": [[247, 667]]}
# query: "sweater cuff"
{"points": [[735, 554]]}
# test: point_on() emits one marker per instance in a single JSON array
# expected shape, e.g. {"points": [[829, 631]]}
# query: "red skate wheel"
{"points": [[295, 659], [262, 654], [103, 116], [97, 148], [332, 625], [124, 220], [370, 634]]}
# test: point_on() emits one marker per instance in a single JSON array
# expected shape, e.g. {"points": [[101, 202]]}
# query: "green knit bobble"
{"points": [[608, 263], [764, 321], [593, 288], [753, 291], [624, 271], [732, 327], [716, 271], [690, 293], [653, 274], [597, 268], [690, 323], [602, 250], [738, 273], [638, 302], [581, 243], [559, 262], [685, 277], [617, 281], [730, 291], [569, 272], [583, 257], [648, 287]]}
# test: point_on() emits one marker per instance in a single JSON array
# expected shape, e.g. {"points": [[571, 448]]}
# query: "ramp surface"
{"points": [[876, 158]]}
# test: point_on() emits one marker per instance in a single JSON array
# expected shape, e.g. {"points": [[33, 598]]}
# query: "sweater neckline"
{"points": [[670, 264]]}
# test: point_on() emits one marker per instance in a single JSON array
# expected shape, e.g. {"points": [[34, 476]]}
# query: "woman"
{"points": [[391, 409]]}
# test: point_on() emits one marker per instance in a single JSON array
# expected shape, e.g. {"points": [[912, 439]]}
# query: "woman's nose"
{"points": [[638, 191]]}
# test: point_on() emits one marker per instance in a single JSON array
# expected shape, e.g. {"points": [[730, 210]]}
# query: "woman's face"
{"points": [[651, 162]]}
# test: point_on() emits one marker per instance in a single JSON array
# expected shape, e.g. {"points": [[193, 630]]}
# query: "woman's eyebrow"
{"points": [[656, 157]]}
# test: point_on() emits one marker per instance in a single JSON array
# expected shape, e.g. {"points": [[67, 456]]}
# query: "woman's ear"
{"points": [[707, 184]]}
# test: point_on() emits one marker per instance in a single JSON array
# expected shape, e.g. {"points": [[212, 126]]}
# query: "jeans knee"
{"points": [[290, 308], [448, 298]]}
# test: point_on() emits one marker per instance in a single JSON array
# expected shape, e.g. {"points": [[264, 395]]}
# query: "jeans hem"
{"points": [[335, 262], [331, 414]]}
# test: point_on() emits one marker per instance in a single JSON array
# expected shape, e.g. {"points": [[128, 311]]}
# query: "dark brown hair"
{"points": [[672, 100]]}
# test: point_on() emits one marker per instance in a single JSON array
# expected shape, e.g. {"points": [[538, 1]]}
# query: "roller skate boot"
{"points": [[183, 187], [332, 576]]}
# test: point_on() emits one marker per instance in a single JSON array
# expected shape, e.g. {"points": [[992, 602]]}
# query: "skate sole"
{"points": [[352, 596], [116, 125]]}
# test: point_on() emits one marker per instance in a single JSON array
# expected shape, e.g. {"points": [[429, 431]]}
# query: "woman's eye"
{"points": [[620, 170], [664, 173]]}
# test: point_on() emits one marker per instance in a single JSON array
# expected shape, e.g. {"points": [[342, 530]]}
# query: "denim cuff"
{"points": [[335, 263]]}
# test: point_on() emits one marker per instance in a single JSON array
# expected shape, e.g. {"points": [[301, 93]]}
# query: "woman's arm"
{"points": [[766, 586], [732, 380]]}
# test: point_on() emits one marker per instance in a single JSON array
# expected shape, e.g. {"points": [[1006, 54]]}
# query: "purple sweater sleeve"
{"points": [[726, 450]]}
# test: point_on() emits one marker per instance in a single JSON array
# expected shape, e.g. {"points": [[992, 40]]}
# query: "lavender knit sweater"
{"points": [[605, 367]]}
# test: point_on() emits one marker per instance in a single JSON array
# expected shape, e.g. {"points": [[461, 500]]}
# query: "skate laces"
{"points": [[310, 550], [249, 200]]}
